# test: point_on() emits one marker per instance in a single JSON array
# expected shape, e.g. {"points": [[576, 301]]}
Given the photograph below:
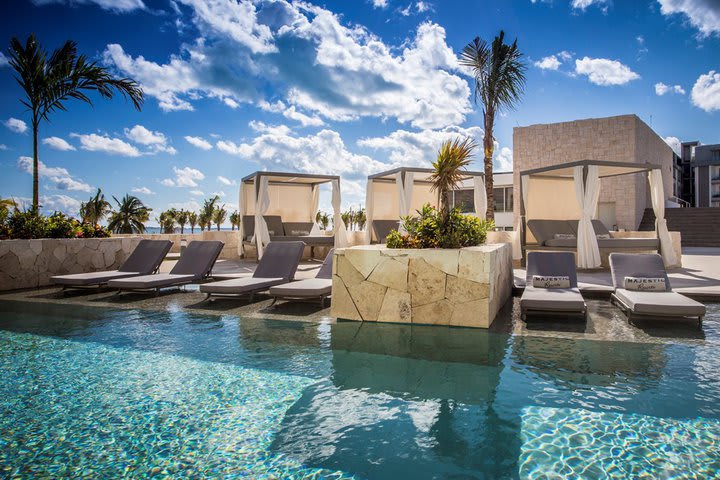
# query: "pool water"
{"points": [[99, 393]]}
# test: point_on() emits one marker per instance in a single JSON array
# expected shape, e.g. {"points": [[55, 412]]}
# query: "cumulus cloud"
{"points": [[604, 72], [155, 141], [198, 142], [503, 159], [704, 15], [661, 89], [548, 63], [3, 146], [4, 61], [60, 203], [380, 3], [308, 53], [184, 177], [118, 6], [197, 193], [705, 93], [674, 143], [583, 4], [62, 179], [57, 143], [16, 125], [143, 191], [225, 180], [102, 143]]}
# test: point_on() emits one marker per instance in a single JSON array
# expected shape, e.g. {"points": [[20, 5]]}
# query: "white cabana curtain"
{"points": [[262, 203], [587, 192], [657, 195], [405, 191], [315, 204], [340, 230], [480, 196], [369, 200], [517, 237], [242, 209]]}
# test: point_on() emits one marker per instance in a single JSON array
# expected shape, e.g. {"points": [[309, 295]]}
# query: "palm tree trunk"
{"points": [[489, 147], [35, 199], [218, 227]]}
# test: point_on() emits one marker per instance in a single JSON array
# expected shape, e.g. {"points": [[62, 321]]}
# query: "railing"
{"points": [[680, 201]]}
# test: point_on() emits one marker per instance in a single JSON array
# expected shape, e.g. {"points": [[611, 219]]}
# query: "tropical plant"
{"points": [[323, 219], [193, 221], [182, 217], [207, 211], [499, 72], [235, 220], [453, 157], [5, 205], [166, 219], [347, 218], [26, 224], [130, 216], [50, 80], [360, 219], [219, 216], [59, 225], [95, 209]]}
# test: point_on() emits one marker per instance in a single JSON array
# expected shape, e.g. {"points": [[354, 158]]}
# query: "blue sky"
{"points": [[347, 87]]}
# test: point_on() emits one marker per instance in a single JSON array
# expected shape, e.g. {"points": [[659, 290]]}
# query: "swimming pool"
{"points": [[106, 393]]}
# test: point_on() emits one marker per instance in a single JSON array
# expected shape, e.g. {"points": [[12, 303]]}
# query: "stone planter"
{"points": [[460, 287], [31, 263]]}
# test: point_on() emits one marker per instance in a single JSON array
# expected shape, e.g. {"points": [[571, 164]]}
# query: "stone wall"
{"points": [[460, 287], [31, 263]]}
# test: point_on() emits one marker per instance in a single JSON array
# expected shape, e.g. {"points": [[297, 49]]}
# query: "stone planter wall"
{"points": [[460, 287], [31, 263]]}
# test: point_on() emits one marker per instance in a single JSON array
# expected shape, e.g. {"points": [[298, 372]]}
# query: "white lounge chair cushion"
{"points": [[551, 281], [91, 278], [241, 285], [310, 287], [644, 284], [660, 303], [151, 281], [552, 299]]}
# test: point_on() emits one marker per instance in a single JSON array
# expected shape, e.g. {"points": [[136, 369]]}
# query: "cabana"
{"points": [[555, 197], [395, 193], [292, 197]]}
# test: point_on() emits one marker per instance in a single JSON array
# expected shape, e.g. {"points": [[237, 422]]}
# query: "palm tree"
{"points": [[5, 205], [167, 220], [219, 216], [49, 81], [235, 220], [207, 211], [192, 220], [182, 217], [499, 72], [95, 209], [130, 216], [453, 157]]}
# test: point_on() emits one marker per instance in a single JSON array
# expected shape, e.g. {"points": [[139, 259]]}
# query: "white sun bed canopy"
{"points": [[571, 190], [293, 196], [399, 192]]}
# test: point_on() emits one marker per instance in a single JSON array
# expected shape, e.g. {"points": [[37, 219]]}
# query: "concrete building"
{"points": [[705, 163], [624, 138]]}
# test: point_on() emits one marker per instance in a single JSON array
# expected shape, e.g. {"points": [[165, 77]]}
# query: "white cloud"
{"points": [[548, 63], [58, 175], [16, 125], [184, 177], [503, 161], [674, 143], [4, 61], [604, 72], [702, 14], [380, 3], [583, 4], [197, 193], [155, 141], [305, 120], [423, 7], [706, 92], [3, 146], [198, 142], [118, 6], [60, 203], [143, 191], [191, 206], [57, 143], [102, 143], [661, 89], [219, 193], [226, 181], [230, 102]]}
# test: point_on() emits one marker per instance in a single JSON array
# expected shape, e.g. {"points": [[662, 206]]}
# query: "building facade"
{"points": [[705, 163], [503, 193]]}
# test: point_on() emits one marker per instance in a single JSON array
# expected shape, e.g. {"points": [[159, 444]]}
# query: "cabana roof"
{"points": [[286, 178], [605, 169], [422, 175]]}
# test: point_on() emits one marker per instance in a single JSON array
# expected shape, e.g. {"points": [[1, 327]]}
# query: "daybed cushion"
{"points": [[545, 230], [151, 281], [274, 225], [314, 240], [551, 264], [552, 299], [382, 228], [241, 285], [310, 287], [92, 278], [297, 229], [660, 303], [638, 243]]}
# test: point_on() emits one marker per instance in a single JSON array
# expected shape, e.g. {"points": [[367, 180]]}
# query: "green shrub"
{"points": [[430, 229], [26, 225], [60, 225], [93, 231]]}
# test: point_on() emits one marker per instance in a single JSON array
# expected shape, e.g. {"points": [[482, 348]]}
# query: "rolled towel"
{"points": [[547, 281], [644, 284], [564, 236]]}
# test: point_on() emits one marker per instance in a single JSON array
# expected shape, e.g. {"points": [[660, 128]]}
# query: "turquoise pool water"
{"points": [[120, 393]]}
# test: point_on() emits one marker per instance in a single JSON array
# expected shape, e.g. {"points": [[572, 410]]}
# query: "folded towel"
{"points": [[546, 281], [299, 233], [564, 236], [644, 284], [603, 236]]}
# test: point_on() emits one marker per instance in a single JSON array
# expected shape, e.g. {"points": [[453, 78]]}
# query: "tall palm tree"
{"points": [[207, 211], [50, 80], [453, 157], [130, 216], [499, 72], [235, 220], [219, 216], [181, 217], [166, 220], [95, 209], [192, 220]]}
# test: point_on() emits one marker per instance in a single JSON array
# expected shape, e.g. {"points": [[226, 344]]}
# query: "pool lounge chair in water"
{"points": [[562, 296], [628, 268], [277, 266], [195, 264], [144, 260], [310, 288]]}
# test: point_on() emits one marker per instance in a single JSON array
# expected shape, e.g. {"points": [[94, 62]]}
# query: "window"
{"points": [[715, 155], [462, 199], [503, 199]]}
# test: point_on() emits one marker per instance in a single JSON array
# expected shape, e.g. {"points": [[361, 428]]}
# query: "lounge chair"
{"points": [[277, 266], [552, 301], [319, 287], [637, 303], [195, 264], [144, 260]]}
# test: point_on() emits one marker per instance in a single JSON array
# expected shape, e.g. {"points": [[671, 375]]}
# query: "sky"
{"points": [[346, 87]]}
